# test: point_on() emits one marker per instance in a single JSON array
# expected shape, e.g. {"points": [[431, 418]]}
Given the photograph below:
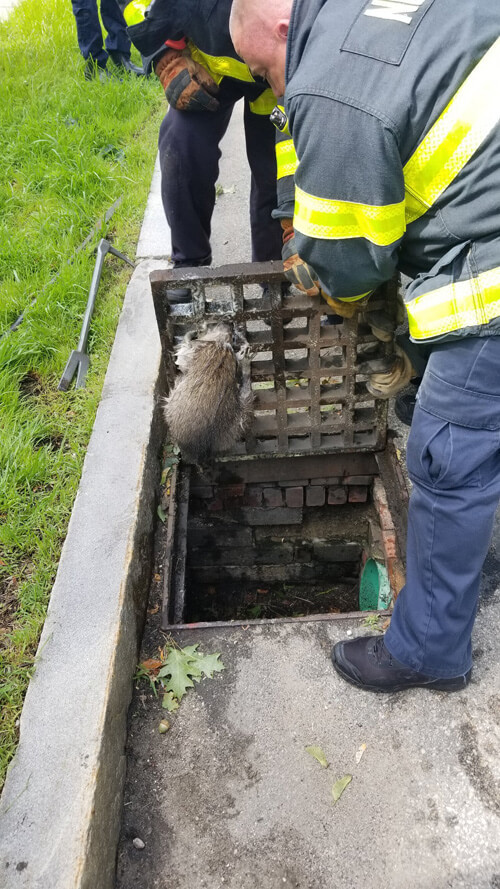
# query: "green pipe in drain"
{"points": [[374, 587]]}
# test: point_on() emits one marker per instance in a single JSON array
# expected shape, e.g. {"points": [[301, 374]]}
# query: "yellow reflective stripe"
{"points": [[221, 66], [333, 301], [286, 159], [134, 12], [264, 103], [352, 299], [328, 219], [456, 135], [455, 306]]}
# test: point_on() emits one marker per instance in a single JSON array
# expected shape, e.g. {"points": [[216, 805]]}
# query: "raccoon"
{"points": [[209, 407]]}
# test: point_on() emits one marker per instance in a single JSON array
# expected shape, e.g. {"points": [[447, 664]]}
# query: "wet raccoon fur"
{"points": [[209, 407]]}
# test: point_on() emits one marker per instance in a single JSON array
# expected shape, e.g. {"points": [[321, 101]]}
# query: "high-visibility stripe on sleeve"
{"points": [[455, 306], [333, 302], [353, 299], [134, 12], [222, 66], [331, 219], [264, 103], [456, 135], [286, 159]]}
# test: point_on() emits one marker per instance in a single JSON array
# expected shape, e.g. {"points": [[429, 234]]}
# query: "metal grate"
{"points": [[308, 395]]}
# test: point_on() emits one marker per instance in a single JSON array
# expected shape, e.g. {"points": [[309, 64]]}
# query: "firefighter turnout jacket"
{"points": [[204, 26], [394, 113]]}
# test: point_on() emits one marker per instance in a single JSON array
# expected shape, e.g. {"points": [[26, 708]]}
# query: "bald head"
{"points": [[259, 31]]}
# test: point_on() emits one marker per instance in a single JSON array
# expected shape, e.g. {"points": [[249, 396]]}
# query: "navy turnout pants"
{"points": [[453, 458], [189, 160], [89, 32]]}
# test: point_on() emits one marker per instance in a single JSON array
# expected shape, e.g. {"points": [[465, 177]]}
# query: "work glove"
{"points": [[188, 86], [387, 375], [303, 276], [298, 272], [384, 311]]}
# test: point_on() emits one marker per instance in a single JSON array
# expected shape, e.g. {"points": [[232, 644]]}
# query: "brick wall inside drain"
{"points": [[279, 549]]}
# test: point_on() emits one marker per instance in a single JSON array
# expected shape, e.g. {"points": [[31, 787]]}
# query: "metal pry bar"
{"points": [[78, 362]]}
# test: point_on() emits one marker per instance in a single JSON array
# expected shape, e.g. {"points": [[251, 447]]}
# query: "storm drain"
{"points": [[281, 527]]}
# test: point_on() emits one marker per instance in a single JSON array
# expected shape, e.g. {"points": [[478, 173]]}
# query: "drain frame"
{"points": [[296, 427]]}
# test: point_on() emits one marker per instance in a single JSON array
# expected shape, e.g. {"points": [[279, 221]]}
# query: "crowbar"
{"points": [[78, 362]]}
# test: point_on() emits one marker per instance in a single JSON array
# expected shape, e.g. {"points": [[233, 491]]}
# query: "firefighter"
{"points": [[90, 39], [189, 46], [394, 115]]}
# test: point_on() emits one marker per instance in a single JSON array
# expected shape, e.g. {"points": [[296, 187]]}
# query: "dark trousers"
{"points": [[189, 160], [453, 458], [89, 32]]}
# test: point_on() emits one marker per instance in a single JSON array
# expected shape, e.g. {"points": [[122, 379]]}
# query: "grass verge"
{"points": [[68, 149]]}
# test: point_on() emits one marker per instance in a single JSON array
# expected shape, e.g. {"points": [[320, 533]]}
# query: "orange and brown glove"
{"points": [[188, 86], [298, 272], [303, 276]]}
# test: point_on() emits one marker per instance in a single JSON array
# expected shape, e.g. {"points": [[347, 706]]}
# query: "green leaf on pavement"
{"points": [[339, 787], [169, 702], [180, 669], [208, 664], [319, 755], [162, 515]]}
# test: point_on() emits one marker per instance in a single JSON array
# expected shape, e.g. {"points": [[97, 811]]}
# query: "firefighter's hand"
{"points": [[383, 313], [344, 309], [298, 272], [387, 375], [188, 87]]}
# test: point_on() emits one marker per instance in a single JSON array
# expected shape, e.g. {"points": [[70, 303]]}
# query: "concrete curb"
{"points": [[61, 805]]}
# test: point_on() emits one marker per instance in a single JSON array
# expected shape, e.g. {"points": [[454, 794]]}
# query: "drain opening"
{"points": [[249, 547]]}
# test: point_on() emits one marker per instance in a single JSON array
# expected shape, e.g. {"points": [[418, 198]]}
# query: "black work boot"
{"points": [[367, 663], [94, 70], [123, 61], [181, 295]]}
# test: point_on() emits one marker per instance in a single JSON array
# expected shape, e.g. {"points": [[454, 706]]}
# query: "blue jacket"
{"points": [[386, 179]]}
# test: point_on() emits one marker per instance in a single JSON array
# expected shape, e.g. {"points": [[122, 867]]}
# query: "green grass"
{"points": [[68, 149]]}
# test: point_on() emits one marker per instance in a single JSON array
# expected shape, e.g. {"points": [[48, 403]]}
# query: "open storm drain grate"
{"points": [[281, 527]]}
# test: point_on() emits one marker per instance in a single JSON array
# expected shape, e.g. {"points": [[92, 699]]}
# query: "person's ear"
{"points": [[281, 29]]}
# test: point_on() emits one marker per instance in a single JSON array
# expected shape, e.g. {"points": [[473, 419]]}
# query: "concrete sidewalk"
{"points": [[229, 797]]}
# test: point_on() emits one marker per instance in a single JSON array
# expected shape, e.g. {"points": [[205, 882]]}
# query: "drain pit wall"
{"points": [[276, 538]]}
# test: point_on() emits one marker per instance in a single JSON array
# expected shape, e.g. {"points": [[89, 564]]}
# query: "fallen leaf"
{"points": [[262, 592], [151, 664], [166, 472], [209, 664], [386, 623], [179, 669], [154, 610], [163, 726], [319, 755], [161, 515], [339, 787], [169, 702], [359, 753]]}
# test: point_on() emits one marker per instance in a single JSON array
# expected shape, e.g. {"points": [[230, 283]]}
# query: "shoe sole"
{"points": [[431, 687]]}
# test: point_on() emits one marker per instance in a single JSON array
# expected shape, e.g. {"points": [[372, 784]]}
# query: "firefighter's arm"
{"points": [[157, 30], [188, 86], [349, 196]]}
